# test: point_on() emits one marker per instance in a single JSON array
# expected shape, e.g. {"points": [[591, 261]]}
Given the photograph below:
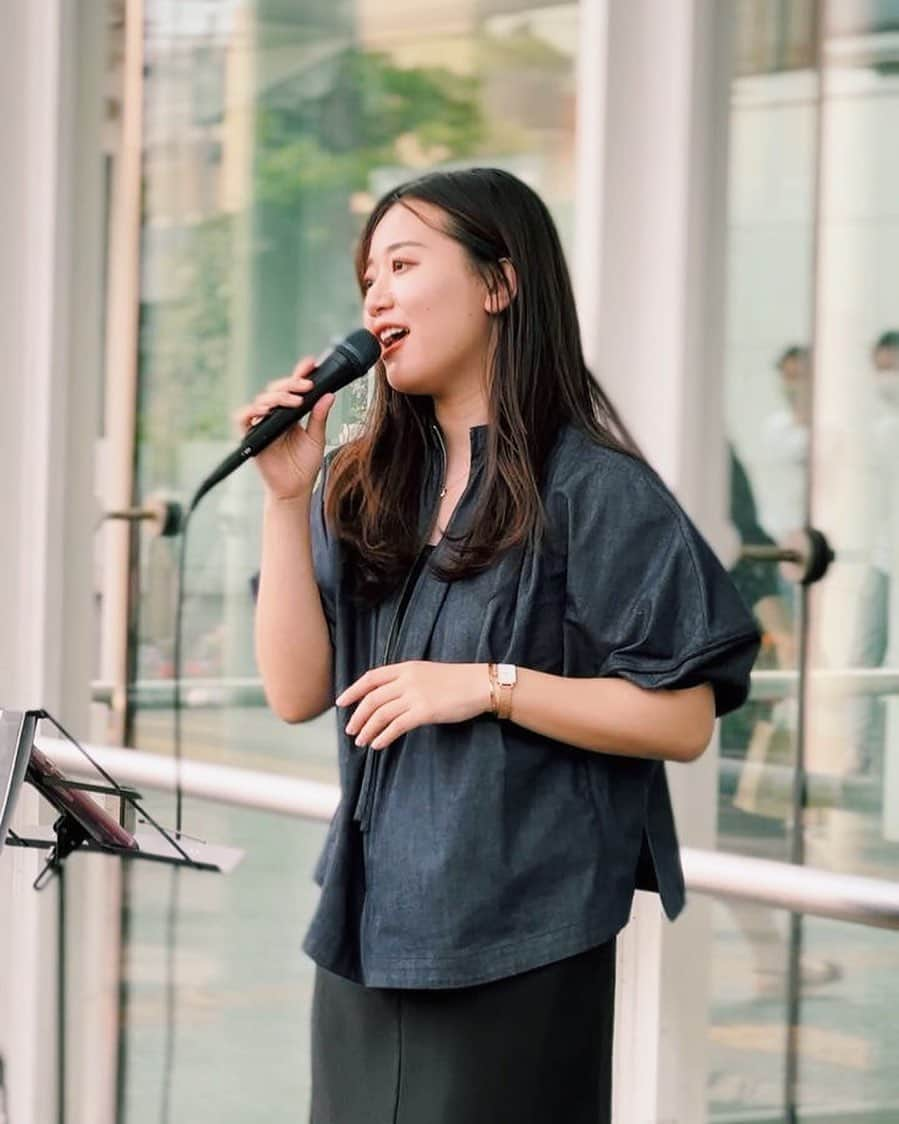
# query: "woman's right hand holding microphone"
{"points": [[290, 465]]}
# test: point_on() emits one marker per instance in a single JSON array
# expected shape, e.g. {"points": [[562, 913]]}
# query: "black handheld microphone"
{"points": [[349, 360]]}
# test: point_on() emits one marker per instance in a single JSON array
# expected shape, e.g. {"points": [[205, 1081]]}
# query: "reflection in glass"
{"points": [[770, 239], [854, 680], [823, 431]]}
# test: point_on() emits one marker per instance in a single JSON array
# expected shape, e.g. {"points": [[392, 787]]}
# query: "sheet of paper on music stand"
{"points": [[16, 738]]}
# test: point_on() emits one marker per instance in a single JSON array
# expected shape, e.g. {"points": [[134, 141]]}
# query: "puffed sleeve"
{"points": [[324, 552], [646, 598]]}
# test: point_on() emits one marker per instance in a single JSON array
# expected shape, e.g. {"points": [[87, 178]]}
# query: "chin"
{"points": [[406, 383]]}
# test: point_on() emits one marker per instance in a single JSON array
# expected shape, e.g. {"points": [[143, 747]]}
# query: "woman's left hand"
{"points": [[398, 697]]}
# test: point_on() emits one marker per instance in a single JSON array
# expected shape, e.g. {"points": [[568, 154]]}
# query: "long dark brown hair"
{"points": [[537, 383]]}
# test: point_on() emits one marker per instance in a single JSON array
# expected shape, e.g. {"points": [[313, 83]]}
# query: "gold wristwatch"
{"points": [[503, 677]]}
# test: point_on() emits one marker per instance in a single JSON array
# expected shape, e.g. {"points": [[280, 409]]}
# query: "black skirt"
{"points": [[535, 1048]]}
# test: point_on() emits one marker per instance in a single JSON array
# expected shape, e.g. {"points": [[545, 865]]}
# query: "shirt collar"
{"points": [[477, 436]]}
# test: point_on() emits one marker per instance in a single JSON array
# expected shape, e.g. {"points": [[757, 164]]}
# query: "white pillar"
{"points": [[121, 357], [51, 66], [590, 146], [658, 180]]}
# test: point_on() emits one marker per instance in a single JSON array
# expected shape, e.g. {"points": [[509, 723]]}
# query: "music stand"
{"points": [[83, 825]]}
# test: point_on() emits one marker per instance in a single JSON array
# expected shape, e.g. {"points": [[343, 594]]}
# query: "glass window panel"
{"points": [[770, 240], [854, 685], [848, 1035], [270, 128], [836, 452], [225, 994], [770, 299], [747, 1032]]}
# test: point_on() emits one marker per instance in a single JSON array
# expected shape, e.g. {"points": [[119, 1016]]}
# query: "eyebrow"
{"points": [[396, 246]]}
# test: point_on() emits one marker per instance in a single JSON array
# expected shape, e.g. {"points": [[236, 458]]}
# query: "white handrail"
{"points": [[846, 681], [800, 889], [766, 685], [224, 784]]}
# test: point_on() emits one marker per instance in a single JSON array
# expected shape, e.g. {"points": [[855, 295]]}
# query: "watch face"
{"points": [[506, 674]]}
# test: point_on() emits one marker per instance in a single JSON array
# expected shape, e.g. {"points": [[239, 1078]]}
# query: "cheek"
{"points": [[448, 323], [441, 296], [454, 319]]}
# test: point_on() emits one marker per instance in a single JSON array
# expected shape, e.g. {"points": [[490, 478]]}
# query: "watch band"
{"points": [[503, 678], [491, 674]]}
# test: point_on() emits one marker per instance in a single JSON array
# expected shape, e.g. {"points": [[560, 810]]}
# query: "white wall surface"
{"points": [[50, 201]]}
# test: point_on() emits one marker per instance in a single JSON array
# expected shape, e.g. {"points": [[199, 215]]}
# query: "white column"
{"points": [[587, 259], [657, 177], [121, 354], [51, 66]]}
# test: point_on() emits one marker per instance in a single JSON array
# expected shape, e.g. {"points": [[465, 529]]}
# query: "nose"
{"points": [[377, 298]]}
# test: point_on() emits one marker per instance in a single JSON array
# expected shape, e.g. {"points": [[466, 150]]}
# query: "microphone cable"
{"points": [[171, 914]]}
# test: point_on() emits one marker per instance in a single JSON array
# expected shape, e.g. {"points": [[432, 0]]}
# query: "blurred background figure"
{"points": [[785, 444], [872, 638], [761, 736], [749, 733]]}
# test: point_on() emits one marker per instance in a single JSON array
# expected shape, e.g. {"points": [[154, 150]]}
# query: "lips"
{"points": [[391, 348], [391, 337]]}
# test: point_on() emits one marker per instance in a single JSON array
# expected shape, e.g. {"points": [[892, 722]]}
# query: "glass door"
{"points": [[808, 766], [847, 1036], [770, 303]]}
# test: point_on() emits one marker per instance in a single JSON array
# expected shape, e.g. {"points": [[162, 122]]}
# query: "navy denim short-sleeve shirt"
{"points": [[471, 851]]}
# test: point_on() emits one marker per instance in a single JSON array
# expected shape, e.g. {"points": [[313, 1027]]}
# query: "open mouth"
{"points": [[391, 338]]}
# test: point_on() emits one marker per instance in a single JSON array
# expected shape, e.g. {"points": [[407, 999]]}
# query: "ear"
{"points": [[501, 297]]}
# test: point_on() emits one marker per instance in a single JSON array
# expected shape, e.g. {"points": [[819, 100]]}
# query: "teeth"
{"points": [[391, 334]]}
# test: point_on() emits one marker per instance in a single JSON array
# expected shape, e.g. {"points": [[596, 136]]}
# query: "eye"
{"points": [[399, 264]]}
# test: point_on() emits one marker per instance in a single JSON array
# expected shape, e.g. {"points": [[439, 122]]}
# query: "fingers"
{"points": [[373, 699], [247, 416], [380, 708], [288, 391], [386, 716], [262, 404], [280, 392], [390, 733], [297, 379], [304, 367]]}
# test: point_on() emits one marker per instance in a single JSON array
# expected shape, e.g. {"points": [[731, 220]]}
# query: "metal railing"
{"points": [[766, 686], [799, 889]]}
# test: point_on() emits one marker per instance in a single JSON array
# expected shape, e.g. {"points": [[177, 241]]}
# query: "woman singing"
{"points": [[518, 625]]}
